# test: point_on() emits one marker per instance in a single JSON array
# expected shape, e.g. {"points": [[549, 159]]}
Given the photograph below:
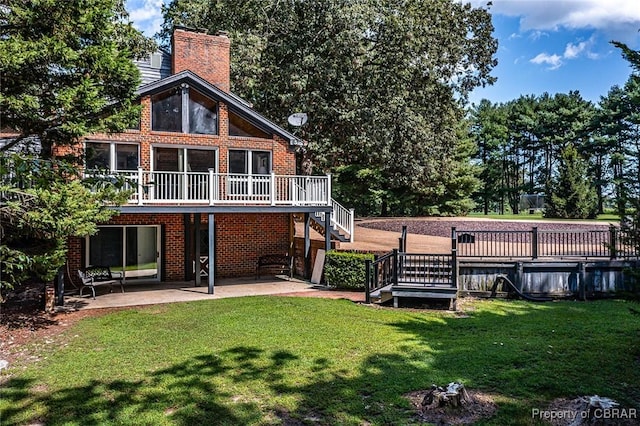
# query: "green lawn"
{"points": [[279, 360]]}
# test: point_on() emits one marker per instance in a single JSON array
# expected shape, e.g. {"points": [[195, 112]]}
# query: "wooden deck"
{"points": [[400, 275]]}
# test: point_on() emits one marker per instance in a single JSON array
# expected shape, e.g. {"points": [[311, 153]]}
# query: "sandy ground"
{"points": [[379, 240]]}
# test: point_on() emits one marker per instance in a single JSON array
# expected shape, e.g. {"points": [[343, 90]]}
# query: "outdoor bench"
{"points": [[93, 276], [279, 263]]}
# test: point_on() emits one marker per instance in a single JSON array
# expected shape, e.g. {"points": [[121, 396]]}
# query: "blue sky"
{"points": [[549, 46]]}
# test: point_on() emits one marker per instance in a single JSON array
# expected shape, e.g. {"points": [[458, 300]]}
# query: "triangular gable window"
{"points": [[184, 110], [241, 127]]}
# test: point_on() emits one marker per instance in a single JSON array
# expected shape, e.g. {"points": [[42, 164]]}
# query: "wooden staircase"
{"points": [[399, 275], [342, 223]]}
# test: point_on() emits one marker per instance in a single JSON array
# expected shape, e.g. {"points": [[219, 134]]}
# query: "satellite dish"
{"points": [[298, 119]]}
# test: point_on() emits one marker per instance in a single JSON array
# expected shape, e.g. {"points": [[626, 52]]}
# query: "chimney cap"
{"points": [[222, 33], [191, 29]]}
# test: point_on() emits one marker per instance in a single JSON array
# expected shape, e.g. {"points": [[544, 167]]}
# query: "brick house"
{"points": [[215, 184]]}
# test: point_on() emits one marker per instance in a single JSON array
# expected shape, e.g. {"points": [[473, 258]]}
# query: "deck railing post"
{"points": [[395, 267], [212, 185], [367, 285], [328, 189], [454, 239], [454, 257], [273, 188], [352, 225], [613, 242], [140, 186], [534, 242]]}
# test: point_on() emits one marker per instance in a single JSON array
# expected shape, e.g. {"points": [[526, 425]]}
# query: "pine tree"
{"points": [[571, 195]]}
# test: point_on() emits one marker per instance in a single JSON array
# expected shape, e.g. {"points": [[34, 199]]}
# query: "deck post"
{"points": [[534, 242], [212, 246], [367, 284], [196, 256], [582, 281], [307, 245], [454, 239], [352, 225], [327, 230], [395, 268], [612, 242], [187, 230]]}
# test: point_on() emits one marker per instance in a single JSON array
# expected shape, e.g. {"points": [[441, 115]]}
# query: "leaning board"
{"points": [[318, 265]]}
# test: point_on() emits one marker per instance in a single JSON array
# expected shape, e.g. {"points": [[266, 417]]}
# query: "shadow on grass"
{"points": [[528, 353]]}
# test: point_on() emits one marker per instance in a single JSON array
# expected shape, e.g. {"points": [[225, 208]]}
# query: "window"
{"points": [[132, 249], [111, 156], [184, 110], [183, 159], [253, 164], [243, 161], [202, 114], [167, 111], [241, 127]]}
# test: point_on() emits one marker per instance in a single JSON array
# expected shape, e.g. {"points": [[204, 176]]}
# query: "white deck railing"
{"points": [[154, 187], [166, 188]]}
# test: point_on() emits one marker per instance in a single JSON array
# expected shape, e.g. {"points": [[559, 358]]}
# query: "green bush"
{"points": [[346, 269]]}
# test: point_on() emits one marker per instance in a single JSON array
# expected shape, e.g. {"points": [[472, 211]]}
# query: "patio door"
{"points": [[133, 249]]}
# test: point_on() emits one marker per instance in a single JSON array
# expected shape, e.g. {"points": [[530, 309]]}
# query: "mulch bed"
{"points": [[442, 227]]}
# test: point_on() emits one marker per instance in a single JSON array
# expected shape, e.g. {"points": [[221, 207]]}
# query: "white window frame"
{"points": [[249, 160], [112, 153]]}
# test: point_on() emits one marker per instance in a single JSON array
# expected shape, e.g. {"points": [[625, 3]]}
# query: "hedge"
{"points": [[346, 270]]}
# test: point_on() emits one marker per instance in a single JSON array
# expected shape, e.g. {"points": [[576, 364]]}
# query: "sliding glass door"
{"points": [[133, 249]]}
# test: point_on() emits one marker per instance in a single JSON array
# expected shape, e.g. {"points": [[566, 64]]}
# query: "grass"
{"points": [[278, 360], [606, 217]]}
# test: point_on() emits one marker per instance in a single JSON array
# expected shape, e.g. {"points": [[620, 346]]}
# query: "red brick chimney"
{"points": [[204, 54]]}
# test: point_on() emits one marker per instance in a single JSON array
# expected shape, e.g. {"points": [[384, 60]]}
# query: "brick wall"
{"points": [[240, 240], [283, 156]]}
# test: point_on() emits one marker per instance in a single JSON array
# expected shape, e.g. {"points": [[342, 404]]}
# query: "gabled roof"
{"points": [[233, 102]]}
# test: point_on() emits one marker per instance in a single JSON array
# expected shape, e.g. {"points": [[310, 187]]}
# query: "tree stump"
{"points": [[454, 395]]}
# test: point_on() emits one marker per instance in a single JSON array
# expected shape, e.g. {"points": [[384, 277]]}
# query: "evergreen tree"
{"points": [[572, 196], [66, 70]]}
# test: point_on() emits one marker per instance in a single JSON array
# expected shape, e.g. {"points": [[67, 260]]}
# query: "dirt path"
{"points": [[382, 240]]}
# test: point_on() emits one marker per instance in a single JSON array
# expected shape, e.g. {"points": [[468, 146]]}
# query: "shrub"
{"points": [[346, 269]]}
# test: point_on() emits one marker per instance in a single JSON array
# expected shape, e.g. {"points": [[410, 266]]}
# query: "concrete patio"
{"points": [[156, 293]]}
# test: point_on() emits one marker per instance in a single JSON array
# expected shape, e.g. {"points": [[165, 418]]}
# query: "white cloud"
{"points": [[537, 35], [554, 61], [573, 50], [551, 14], [146, 15]]}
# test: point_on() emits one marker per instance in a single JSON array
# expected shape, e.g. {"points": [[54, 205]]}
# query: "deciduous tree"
{"points": [[383, 81]]}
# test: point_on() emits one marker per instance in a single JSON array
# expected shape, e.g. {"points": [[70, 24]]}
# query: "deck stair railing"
{"points": [[416, 270], [342, 222], [608, 243]]}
